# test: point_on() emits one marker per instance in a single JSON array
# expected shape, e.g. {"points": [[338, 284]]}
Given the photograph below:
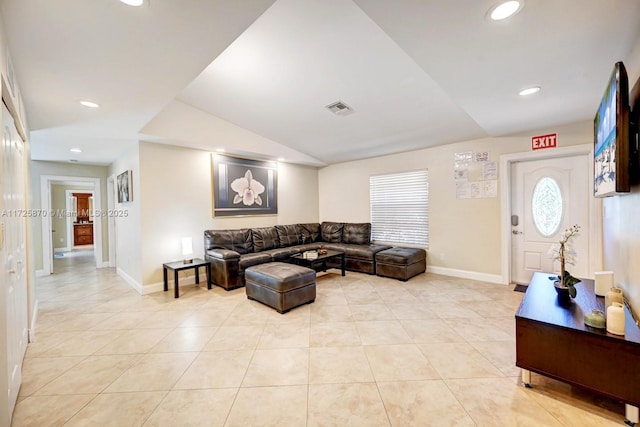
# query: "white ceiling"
{"points": [[254, 76]]}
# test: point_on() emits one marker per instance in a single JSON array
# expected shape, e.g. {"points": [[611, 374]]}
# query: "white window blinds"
{"points": [[400, 207]]}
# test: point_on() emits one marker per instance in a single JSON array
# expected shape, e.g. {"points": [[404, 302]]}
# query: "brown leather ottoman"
{"points": [[401, 263], [280, 285]]}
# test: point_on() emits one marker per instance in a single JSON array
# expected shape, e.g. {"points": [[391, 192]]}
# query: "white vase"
{"points": [[614, 295], [615, 319]]}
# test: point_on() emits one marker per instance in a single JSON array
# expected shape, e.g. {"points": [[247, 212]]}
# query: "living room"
{"points": [[172, 181]]}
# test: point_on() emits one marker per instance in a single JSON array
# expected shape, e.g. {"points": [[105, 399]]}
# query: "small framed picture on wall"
{"points": [[125, 187]]}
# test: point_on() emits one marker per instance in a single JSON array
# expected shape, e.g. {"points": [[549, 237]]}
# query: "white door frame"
{"points": [[111, 220], [45, 205], [69, 237], [595, 205], [70, 219]]}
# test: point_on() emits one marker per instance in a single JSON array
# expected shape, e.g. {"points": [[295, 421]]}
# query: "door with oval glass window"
{"points": [[547, 197]]}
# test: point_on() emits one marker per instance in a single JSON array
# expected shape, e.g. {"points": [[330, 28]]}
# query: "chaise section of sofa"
{"points": [[354, 239], [231, 252]]}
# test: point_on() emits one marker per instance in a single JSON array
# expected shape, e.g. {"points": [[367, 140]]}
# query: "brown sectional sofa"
{"points": [[232, 251]]}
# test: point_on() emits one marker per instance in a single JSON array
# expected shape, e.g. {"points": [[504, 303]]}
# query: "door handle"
{"points": [[11, 271], [516, 232]]}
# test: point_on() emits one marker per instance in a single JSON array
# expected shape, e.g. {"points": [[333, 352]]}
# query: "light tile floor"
{"points": [[434, 351]]}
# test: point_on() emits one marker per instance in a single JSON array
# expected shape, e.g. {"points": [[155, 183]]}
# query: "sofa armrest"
{"points": [[225, 268], [220, 253]]}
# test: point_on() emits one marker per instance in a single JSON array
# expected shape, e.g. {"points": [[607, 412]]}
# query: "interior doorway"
{"points": [[55, 217], [588, 216]]}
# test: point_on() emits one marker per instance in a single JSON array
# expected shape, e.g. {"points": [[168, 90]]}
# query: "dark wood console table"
{"points": [[554, 341]]}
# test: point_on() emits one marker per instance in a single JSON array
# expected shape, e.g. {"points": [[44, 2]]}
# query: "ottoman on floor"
{"points": [[401, 263], [280, 285]]}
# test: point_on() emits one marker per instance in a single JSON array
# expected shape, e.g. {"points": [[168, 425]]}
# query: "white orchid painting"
{"points": [[247, 190], [244, 186]]}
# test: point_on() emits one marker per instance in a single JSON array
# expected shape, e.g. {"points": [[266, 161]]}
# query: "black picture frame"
{"points": [[124, 183], [243, 187]]}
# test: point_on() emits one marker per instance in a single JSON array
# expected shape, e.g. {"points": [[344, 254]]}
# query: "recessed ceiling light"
{"points": [[89, 104], [76, 150], [219, 150], [505, 9], [530, 91], [133, 2]]}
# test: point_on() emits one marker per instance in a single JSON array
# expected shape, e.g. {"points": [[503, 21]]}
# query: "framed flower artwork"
{"points": [[244, 186]]}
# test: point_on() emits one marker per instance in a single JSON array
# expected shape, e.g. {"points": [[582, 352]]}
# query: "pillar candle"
{"points": [[615, 319], [604, 282]]}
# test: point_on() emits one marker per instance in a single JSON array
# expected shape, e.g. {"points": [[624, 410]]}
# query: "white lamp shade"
{"points": [[187, 246]]}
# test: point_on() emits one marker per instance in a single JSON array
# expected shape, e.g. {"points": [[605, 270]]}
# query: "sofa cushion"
{"points": [[401, 256], [288, 235], [364, 252], [264, 238], [309, 232], [308, 247], [331, 232], [236, 240], [281, 254], [357, 233], [247, 260]]}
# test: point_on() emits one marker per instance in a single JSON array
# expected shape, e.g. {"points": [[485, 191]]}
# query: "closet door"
{"points": [[14, 270]]}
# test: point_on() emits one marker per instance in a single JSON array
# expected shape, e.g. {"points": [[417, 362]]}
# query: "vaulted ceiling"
{"points": [[254, 76]]}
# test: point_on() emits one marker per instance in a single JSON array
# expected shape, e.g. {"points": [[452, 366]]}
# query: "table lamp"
{"points": [[187, 249]]}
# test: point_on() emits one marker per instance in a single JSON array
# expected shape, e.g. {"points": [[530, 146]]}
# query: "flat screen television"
{"points": [[611, 137]]}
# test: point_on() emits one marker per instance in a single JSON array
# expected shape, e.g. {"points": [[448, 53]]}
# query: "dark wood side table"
{"points": [[178, 266], [554, 341], [320, 263]]}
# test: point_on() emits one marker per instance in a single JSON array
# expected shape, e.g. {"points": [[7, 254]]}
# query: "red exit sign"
{"points": [[544, 141]]}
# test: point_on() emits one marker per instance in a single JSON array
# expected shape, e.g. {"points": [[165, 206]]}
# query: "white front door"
{"points": [[13, 251], [547, 197]]}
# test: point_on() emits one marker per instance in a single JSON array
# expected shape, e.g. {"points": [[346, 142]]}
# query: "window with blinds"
{"points": [[400, 207]]}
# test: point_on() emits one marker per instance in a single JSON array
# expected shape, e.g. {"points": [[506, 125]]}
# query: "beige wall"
{"points": [[38, 169], [177, 202], [128, 225], [464, 234], [621, 220]]}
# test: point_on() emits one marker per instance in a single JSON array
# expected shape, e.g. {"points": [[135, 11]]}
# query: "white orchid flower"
{"points": [[248, 190]]}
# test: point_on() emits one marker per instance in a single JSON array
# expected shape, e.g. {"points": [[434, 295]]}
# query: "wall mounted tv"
{"points": [[611, 132]]}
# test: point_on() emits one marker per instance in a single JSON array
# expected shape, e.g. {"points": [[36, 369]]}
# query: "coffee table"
{"points": [[320, 263]]}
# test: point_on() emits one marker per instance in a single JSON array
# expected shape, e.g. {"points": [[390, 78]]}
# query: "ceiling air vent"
{"points": [[339, 108]]}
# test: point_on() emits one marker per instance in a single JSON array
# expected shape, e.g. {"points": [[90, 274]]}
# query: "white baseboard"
{"points": [[41, 273], [105, 264], [32, 325], [184, 282], [464, 274], [130, 280], [61, 250]]}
